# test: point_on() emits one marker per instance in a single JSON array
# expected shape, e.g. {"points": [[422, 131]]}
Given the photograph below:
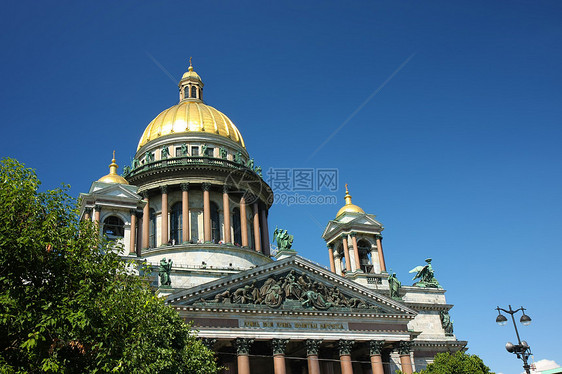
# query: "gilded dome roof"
{"points": [[349, 207], [113, 177], [191, 117]]}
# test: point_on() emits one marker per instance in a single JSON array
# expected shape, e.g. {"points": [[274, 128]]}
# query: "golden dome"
{"points": [[112, 177], [191, 117], [349, 207]]}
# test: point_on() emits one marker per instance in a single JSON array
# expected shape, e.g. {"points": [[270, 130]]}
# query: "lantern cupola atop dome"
{"points": [[113, 177], [191, 85]]}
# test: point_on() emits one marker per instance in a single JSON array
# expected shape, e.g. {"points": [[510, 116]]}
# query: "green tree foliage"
{"points": [[68, 303], [456, 363]]}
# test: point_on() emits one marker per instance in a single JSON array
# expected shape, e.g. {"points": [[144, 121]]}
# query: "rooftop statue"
{"points": [[164, 272], [426, 275], [284, 240], [394, 286]]}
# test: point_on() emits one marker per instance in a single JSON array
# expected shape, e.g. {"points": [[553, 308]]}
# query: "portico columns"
{"points": [[226, 214], [242, 352], [312, 347], [133, 231], [184, 212], [97, 213], [145, 221], [355, 251], [279, 346], [331, 257], [243, 221], [381, 255], [164, 221], [257, 241], [405, 362], [264, 232], [206, 213], [345, 356], [87, 214], [346, 253], [375, 347]]}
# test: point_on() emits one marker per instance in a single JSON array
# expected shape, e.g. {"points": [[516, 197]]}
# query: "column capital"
{"points": [[225, 188], [243, 345], [97, 207], [164, 189], [184, 186], [378, 236], [330, 246], [87, 210], [345, 346], [404, 348], [206, 186], [144, 194], [375, 347], [133, 212], [313, 346], [353, 234], [209, 342], [343, 236], [279, 346]]}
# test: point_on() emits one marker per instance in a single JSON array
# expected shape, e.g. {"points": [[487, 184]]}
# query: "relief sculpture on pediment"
{"points": [[296, 291]]}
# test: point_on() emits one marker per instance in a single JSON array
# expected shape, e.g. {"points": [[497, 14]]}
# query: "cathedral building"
{"points": [[194, 207]]}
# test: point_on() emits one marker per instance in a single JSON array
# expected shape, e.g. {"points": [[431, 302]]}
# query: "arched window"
{"points": [[186, 92], [236, 226], [113, 227], [176, 223], [364, 249], [215, 223], [152, 229], [193, 92]]}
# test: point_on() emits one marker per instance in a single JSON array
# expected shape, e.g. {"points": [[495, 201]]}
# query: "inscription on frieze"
{"points": [[293, 325]]}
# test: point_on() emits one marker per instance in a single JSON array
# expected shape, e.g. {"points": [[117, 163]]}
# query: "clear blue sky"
{"points": [[458, 154]]}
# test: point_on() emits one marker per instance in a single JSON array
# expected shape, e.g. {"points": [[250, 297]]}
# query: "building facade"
{"points": [[195, 207]]}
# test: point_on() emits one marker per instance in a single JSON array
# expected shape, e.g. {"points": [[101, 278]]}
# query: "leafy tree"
{"points": [[69, 303], [456, 363]]}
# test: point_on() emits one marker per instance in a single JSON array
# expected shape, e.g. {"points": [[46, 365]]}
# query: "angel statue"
{"points": [[426, 275], [284, 240]]}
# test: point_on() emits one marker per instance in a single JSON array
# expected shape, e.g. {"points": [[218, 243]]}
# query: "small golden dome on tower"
{"points": [[190, 73], [112, 177], [349, 207]]}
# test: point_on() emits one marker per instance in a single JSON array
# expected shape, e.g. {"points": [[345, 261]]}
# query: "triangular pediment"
{"points": [[114, 190], [293, 285], [364, 223]]}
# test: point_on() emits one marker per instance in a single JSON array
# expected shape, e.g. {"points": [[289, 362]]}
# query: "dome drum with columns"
{"points": [[193, 195]]}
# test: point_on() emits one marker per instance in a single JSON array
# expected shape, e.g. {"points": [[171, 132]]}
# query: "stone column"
{"points": [[312, 347], [243, 221], [375, 347], [145, 221], [242, 352], [279, 346], [257, 241], [346, 253], [97, 213], [337, 263], [133, 232], [226, 213], [381, 255], [184, 212], [87, 213], [206, 213], [356, 251], [405, 362], [345, 356], [265, 233], [164, 223], [331, 257]]}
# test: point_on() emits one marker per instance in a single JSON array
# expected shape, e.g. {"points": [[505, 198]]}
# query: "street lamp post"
{"points": [[522, 350]]}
